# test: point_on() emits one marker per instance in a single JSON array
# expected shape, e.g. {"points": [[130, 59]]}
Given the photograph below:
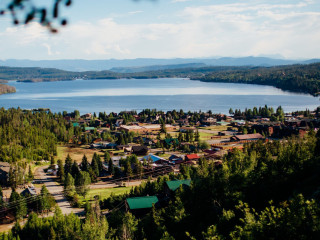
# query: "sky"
{"points": [[128, 29]]}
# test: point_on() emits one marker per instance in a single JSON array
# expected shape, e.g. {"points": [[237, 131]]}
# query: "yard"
{"points": [[104, 193]]}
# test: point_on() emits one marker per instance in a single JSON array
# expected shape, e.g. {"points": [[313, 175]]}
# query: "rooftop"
{"points": [[174, 185], [142, 202]]}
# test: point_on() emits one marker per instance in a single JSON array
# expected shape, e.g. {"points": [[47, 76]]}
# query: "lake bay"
{"points": [[162, 94]]}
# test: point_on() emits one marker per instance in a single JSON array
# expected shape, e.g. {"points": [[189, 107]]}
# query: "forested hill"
{"points": [[300, 78]]}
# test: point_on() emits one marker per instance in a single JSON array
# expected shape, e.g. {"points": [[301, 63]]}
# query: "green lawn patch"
{"points": [[104, 193]]}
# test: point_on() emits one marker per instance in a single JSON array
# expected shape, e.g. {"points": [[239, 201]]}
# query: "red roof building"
{"points": [[192, 157]]}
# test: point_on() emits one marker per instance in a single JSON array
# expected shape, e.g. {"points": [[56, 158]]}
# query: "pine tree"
{"points": [[45, 201], [60, 172], [111, 167], [67, 165], [106, 157], [30, 175], [83, 183], [95, 166], [69, 185], [84, 164], [75, 171]]}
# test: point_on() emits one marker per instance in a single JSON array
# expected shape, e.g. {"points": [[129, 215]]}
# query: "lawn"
{"points": [[104, 193], [205, 136]]}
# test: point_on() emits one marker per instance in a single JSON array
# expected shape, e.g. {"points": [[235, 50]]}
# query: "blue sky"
{"points": [[126, 29]]}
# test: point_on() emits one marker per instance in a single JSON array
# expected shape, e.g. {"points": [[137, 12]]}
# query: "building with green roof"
{"points": [[89, 128], [141, 202], [175, 184]]}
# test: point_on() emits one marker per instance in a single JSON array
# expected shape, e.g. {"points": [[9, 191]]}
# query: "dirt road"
{"points": [[56, 191]]}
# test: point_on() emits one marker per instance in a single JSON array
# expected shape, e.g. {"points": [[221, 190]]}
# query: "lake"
{"points": [[162, 94]]}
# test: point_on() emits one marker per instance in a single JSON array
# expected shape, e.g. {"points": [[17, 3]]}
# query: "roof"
{"points": [[174, 185], [249, 136], [192, 156], [89, 128], [171, 141], [30, 191], [4, 166], [139, 148], [142, 202]]}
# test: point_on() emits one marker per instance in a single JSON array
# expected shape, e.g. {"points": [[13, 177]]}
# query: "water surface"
{"points": [[163, 94]]}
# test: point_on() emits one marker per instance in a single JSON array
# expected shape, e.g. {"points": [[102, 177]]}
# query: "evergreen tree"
{"points": [[84, 166], [60, 172], [106, 157], [45, 200], [67, 165], [69, 185], [75, 171], [83, 183], [95, 165], [30, 174], [111, 167]]}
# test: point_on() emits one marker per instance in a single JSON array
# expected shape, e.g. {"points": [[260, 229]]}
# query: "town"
{"points": [[137, 147]]}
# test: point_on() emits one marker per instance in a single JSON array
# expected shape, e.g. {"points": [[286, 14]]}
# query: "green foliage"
{"points": [[30, 134], [83, 182]]}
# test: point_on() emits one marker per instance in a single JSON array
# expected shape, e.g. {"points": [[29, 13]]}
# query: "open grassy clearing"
{"points": [[215, 128], [205, 136], [104, 193], [76, 153]]}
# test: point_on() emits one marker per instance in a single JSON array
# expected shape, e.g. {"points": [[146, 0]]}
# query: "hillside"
{"points": [[80, 65]]}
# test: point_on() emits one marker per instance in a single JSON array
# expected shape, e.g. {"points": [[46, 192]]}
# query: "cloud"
{"points": [[234, 29]]}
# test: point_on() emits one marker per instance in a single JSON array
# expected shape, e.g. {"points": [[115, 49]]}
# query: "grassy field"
{"points": [[205, 136], [76, 153], [104, 193]]}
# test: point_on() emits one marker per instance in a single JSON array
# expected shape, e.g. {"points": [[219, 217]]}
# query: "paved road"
{"points": [[56, 191]]}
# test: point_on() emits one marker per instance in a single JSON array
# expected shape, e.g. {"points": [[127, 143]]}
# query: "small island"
{"points": [[6, 89]]}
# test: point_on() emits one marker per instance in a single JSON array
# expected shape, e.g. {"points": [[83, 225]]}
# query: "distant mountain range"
{"points": [[149, 64]]}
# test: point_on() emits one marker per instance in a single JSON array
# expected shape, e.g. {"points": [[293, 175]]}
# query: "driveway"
{"points": [[56, 191]]}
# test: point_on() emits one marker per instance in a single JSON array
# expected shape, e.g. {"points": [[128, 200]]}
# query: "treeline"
{"points": [[265, 112], [31, 135], [298, 78]]}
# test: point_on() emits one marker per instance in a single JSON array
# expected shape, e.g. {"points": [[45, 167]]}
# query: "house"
{"points": [[140, 205], [222, 123], [171, 142], [175, 158], [247, 137], [4, 172], [88, 129], [87, 116], [139, 150], [155, 159], [125, 148], [187, 129], [29, 191], [172, 186], [119, 122], [192, 157], [209, 121]]}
